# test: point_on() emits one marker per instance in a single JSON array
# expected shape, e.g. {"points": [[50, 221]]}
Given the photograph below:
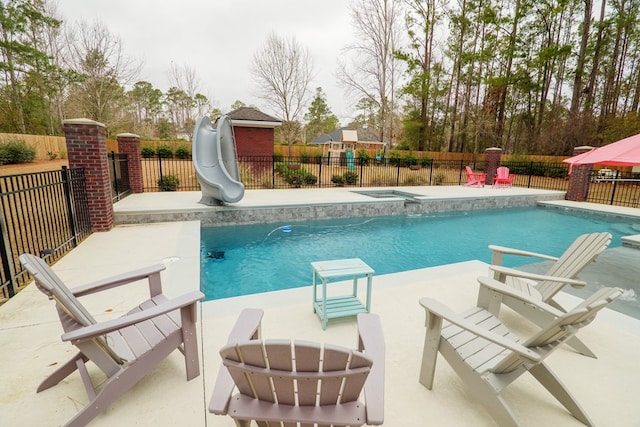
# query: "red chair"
{"points": [[475, 178], [503, 178]]}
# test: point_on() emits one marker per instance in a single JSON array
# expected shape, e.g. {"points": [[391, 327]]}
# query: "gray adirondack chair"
{"points": [[488, 356], [564, 271], [125, 349], [300, 383]]}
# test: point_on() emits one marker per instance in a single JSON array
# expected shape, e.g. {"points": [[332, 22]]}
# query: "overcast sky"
{"points": [[218, 38]]}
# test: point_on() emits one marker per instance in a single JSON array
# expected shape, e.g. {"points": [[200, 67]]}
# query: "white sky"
{"points": [[217, 38]]}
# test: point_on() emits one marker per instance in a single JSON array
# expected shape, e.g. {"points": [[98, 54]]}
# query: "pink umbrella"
{"points": [[625, 152]]}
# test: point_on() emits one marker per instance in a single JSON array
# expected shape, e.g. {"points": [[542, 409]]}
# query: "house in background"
{"points": [[254, 132], [336, 144]]}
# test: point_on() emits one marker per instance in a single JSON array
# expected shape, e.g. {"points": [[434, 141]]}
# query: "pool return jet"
{"points": [[216, 162]]}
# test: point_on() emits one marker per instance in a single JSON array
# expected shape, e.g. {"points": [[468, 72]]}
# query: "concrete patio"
{"points": [[31, 347]]}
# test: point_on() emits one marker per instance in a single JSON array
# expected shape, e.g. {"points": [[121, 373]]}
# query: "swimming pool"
{"points": [[242, 260]]}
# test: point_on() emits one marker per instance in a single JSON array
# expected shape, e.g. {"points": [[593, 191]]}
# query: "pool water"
{"points": [[248, 259]]}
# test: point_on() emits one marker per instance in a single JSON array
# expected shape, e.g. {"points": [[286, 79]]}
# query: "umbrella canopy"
{"points": [[625, 152]]}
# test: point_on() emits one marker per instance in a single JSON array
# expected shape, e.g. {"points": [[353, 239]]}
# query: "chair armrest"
{"points": [[496, 286], [118, 280], [538, 277], [102, 328], [371, 342], [247, 327], [442, 311], [510, 251]]}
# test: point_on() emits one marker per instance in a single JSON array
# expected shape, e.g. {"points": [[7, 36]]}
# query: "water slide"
{"points": [[216, 162]]}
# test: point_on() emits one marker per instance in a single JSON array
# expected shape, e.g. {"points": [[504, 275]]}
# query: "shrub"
{"points": [[168, 183], [278, 157], [63, 154], [183, 152], [338, 180], [351, 178], [16, 151], [164, 151], [305, 157], [296, 177], [364, 157], [52, 155], [147, 152], [426, 161], [439, 178]]}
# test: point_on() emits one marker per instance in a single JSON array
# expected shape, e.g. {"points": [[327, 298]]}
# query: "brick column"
{"points": [[87, 148], [492, 162], [579, 178], [129, 144]]}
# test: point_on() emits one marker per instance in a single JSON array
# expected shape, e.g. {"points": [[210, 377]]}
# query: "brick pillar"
{"points": [[87, 148], [492, 162], [129, 144], [579, 178]]}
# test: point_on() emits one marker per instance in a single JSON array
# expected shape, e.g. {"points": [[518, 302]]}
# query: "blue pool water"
{"points": [[242, 260]]}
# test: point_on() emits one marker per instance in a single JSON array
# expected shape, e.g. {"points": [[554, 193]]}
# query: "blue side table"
{"points": [[343, 305]]}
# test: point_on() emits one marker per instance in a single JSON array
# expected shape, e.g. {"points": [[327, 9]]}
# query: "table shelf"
{"points": [[344, 305]]}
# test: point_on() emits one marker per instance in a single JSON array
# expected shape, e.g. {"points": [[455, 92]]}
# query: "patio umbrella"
{"points": [[625, 152]]}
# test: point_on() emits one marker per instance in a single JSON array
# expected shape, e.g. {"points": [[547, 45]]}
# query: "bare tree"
{"points": [[374, 71], [282, 71], [98, 57], [186, 80]]}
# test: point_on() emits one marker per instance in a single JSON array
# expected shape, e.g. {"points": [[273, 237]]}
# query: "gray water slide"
{"points": [[216, 162]]}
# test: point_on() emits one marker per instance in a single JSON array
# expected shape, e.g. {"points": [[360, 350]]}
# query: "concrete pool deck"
{"points": [[31, 348]]}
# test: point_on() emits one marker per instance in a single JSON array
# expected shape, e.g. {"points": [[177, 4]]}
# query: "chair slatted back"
{"points": [[70, 310], [302, 373], [548, 339], [502, 172], [50, 284], [581, 253]]}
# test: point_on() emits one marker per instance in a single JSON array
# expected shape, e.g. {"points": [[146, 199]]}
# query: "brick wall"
{"points": [[87, 148], [579, 178], [129, 144], [251, 141]]}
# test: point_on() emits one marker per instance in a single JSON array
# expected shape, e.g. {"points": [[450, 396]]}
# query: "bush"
{"points": [[147, 152], [164, 151], [364, 157], [426, 161], [278, 157], [16, 151], [351, 178], [183, 152], [168, 183], [305, 157], [296, 177], [338, 180]]}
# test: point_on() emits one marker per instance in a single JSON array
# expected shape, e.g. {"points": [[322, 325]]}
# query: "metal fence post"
{"points": [[7, 259], [68, 197], [615, 183], [115, 174]]}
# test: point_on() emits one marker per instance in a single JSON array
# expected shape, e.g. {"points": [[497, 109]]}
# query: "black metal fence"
{"points": [[119, 176], [323, 172], [615, 188], [44, 213]]}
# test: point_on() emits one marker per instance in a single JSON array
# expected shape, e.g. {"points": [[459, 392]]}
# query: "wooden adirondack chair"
{"points": [[283, 383], [488, 356], [125, 349], [475, 178], [503, 178], [564, 271]]}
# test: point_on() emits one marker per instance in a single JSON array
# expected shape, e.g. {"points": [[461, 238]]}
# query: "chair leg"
{"points": [[62, 372], [190, 342], [430, 350], [560, 392]]}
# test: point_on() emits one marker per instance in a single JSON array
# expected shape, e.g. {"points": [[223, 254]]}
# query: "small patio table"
{"points": [[342, 305]]}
